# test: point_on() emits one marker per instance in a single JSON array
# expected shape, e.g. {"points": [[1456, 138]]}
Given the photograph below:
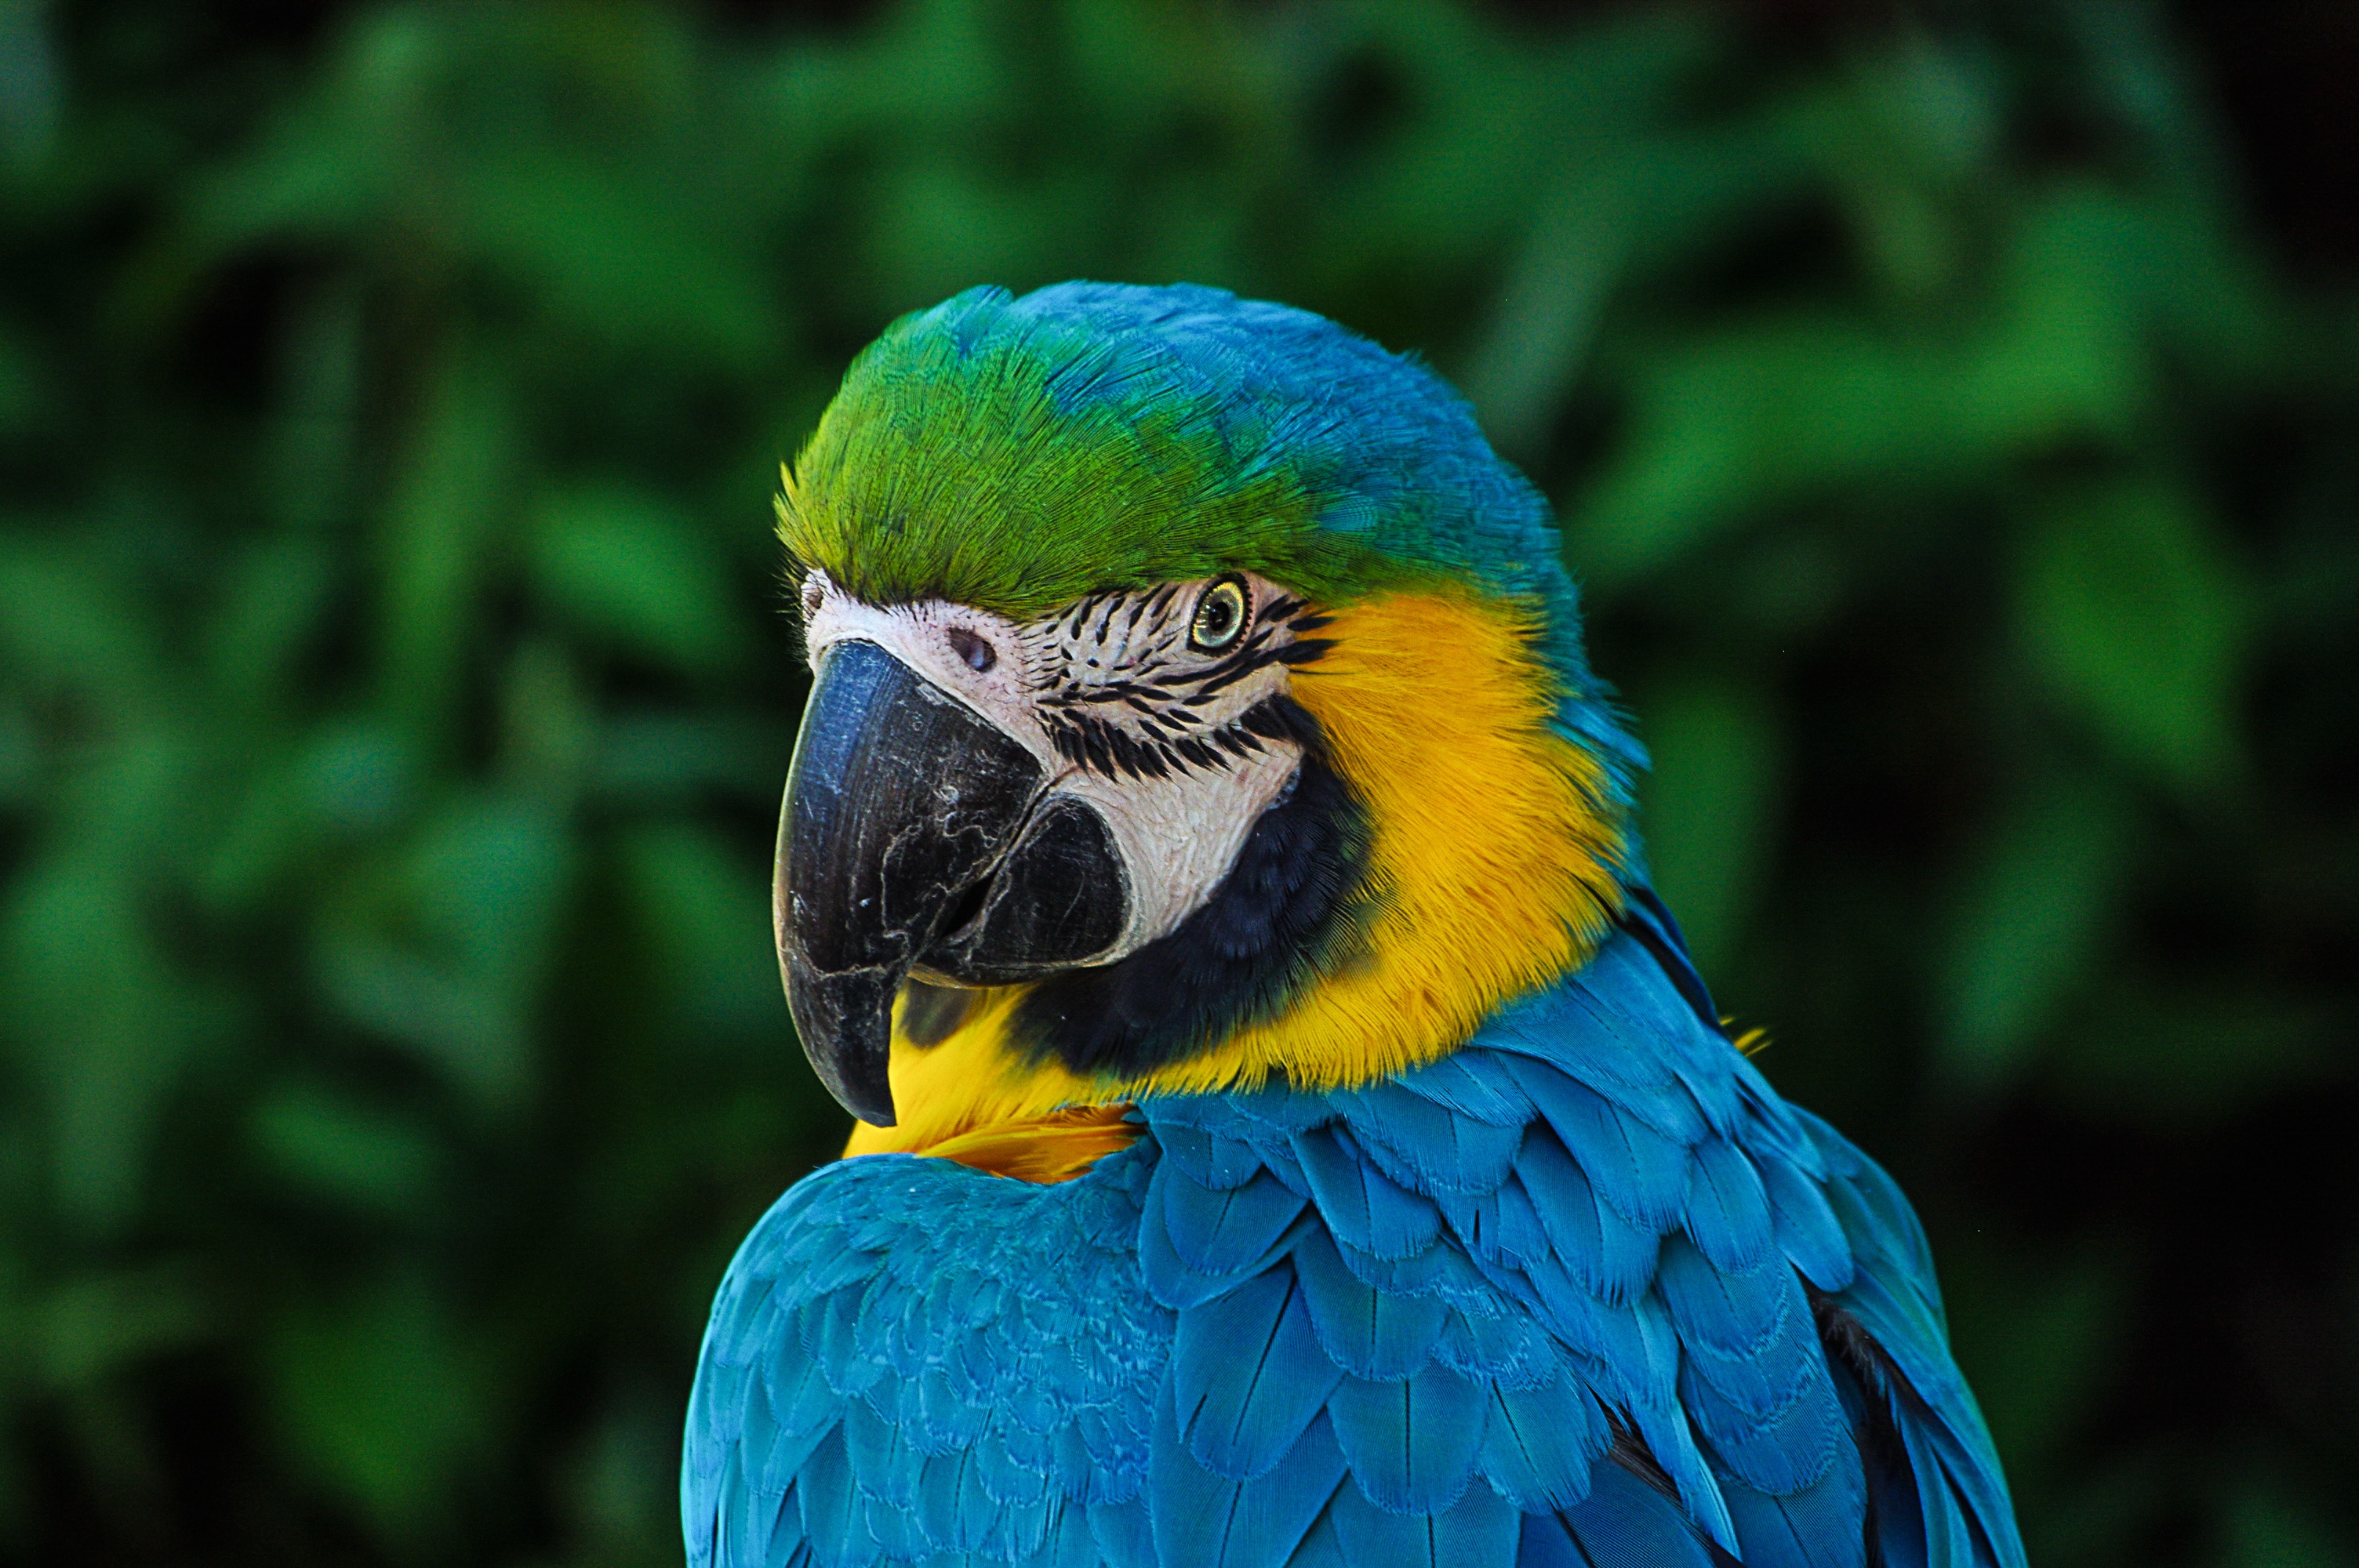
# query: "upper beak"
{"points": [[917, 833], [899, 799]]}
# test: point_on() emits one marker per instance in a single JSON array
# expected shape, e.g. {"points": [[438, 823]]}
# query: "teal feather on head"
{"points": [[1016, 453]]}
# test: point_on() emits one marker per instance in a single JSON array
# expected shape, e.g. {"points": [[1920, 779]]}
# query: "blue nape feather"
{"points": [[1585, 1294]]}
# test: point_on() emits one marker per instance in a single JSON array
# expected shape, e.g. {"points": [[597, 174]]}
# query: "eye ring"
{"points": [[1223, 612]]}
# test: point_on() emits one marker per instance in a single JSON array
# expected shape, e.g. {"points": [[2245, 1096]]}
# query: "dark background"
{"points": [[1954, 411]]}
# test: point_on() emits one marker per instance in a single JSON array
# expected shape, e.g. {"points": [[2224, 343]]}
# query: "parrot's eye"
{"points": [[977, 654], [1220, 617]]}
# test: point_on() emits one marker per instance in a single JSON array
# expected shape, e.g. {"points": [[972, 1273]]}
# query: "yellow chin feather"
{"points": [[1492, 856]]}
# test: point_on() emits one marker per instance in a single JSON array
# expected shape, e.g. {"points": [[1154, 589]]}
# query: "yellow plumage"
{"points": [[1492, 853]]}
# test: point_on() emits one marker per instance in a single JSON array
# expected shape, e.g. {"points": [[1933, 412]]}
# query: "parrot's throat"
{"points": [[1286, 912]]}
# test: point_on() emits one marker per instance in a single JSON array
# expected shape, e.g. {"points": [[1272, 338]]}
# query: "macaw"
{"points": [[1290, 1129]]}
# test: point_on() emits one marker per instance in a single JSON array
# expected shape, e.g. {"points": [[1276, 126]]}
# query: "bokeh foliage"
{"points": [[394, 692]]}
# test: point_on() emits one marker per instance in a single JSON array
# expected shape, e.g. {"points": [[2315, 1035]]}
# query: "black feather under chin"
{"points": [[1280, 914]]}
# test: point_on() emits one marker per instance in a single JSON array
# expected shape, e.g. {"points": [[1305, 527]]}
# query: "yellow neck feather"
{"points": [[1492, 856]]}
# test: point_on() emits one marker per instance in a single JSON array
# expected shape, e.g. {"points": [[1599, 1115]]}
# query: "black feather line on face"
{"points": [[1093, 747], [1256, 654], [1112, 751], [1142, 683], [1273, 923]]}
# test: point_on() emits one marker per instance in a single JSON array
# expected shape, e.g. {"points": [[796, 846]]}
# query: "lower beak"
{"points": [[910, 837]]}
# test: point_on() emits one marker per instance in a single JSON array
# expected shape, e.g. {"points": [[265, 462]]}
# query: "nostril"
{"points": [[979, 654], [813, 597]]}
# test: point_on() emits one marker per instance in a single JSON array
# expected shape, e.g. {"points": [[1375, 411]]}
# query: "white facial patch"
{"points": [[1180, 746]]}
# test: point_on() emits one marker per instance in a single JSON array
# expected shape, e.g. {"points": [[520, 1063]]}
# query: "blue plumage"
{"points": [[1248, 1375], [1586, 1292]]}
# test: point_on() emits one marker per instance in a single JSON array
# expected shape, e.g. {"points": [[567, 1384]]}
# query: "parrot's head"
{"points": [[1197, 700]]}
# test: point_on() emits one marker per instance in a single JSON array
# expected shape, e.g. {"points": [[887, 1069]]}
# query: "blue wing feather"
{"points": [[908, 1358], [1727, 1209], [1638, 1170], [1362, 1204], [1613, 1257], [1480, 1088], [1203, 1519], [1124, 1534], [1411, 1445], [1421, 1143], [1585, 1294], [1813, 1526], [1248, 1377], [1225, 1228], [1478, 1527], [1369, 1333], [1626, 1523]]}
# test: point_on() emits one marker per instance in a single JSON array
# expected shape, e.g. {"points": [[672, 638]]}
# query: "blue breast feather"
{"points": [[1586, 1294]]}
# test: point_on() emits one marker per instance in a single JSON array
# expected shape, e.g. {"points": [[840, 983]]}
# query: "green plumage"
{"points": [[1017, 454]]}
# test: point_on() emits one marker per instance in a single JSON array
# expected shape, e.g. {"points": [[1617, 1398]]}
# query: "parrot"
{"points": [[1289, 1128]]}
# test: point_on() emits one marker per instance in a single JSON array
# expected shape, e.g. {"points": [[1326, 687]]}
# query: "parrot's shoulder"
{"points": [[910, 1358], [1587, 1290]]}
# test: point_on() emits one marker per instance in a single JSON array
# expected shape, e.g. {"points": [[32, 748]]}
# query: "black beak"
{"points": [[909, 837]]}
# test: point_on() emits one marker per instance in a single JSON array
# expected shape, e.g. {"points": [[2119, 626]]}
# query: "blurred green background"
{"points": [[1955, 411]]}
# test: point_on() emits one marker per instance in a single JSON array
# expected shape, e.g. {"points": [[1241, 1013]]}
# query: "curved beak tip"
{"points": [[846, 1024]]}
